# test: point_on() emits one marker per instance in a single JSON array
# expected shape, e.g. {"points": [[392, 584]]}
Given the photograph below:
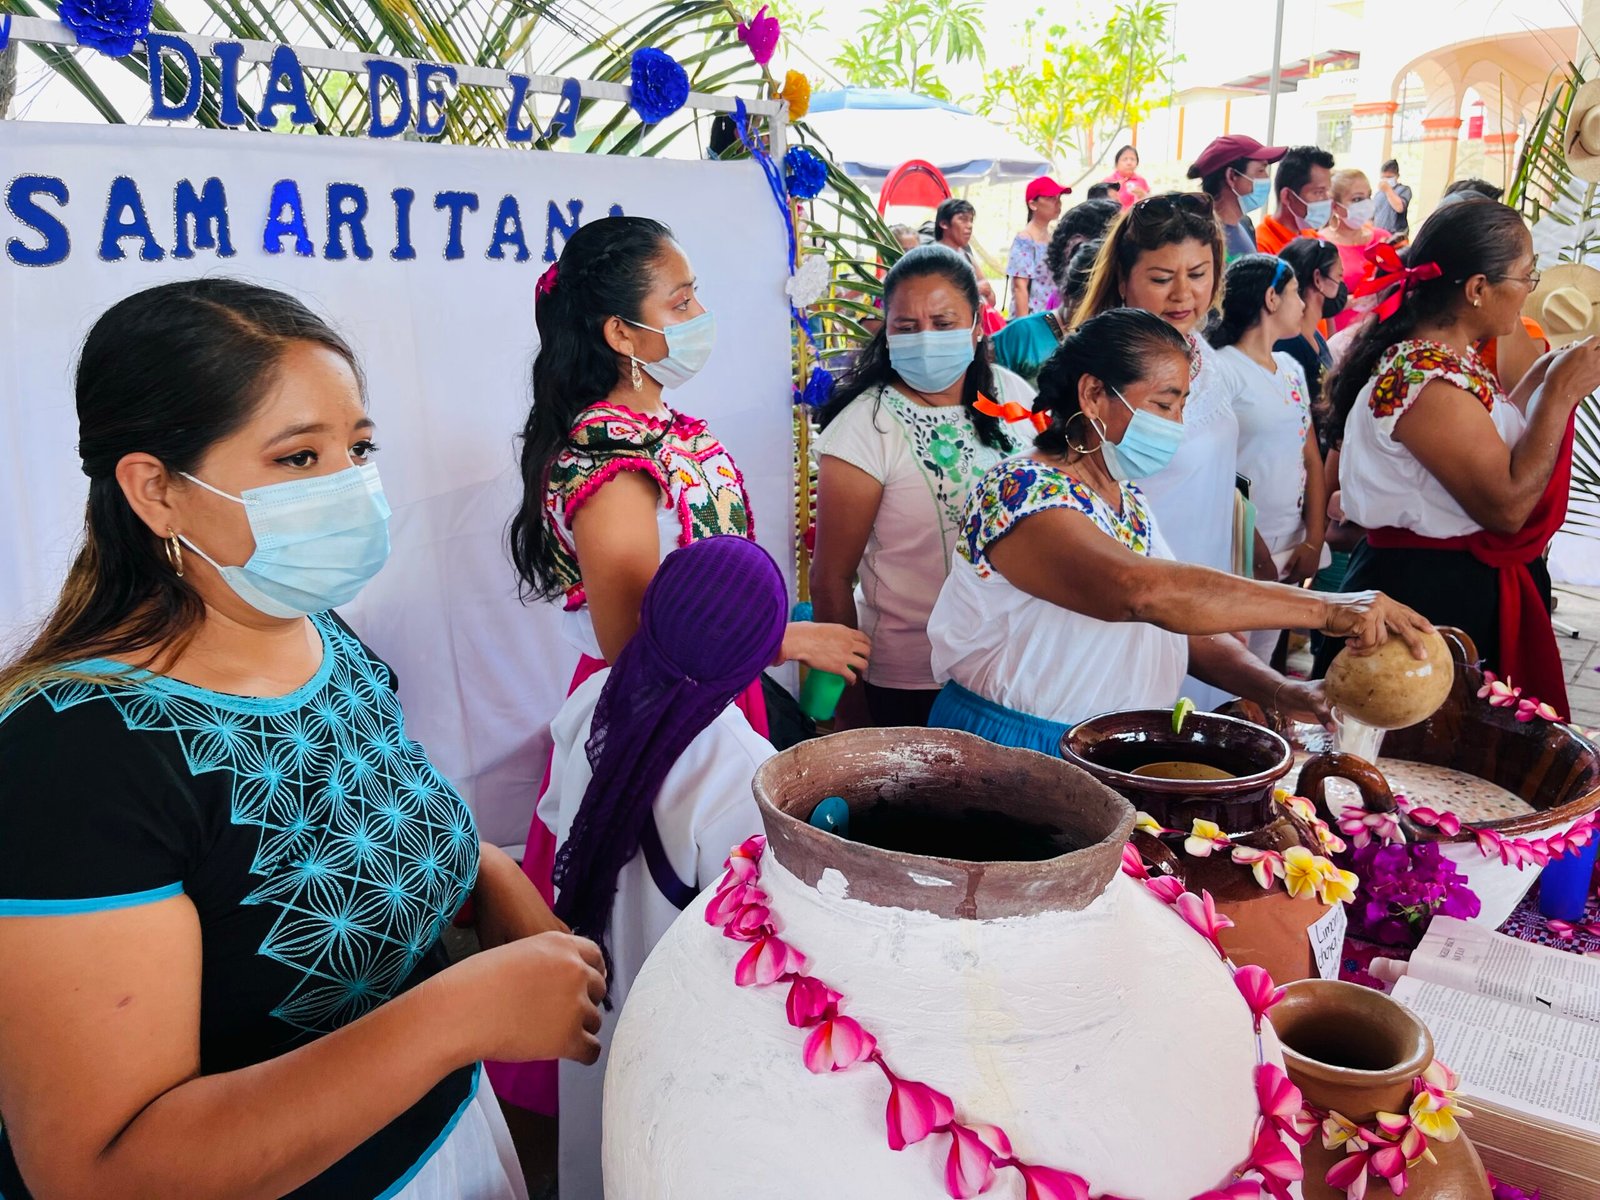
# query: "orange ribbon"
{"points": [[1392, 271], [1011, 412]]}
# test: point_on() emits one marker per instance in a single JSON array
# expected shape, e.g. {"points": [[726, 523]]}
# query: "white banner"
{"points": [[425, 273]]}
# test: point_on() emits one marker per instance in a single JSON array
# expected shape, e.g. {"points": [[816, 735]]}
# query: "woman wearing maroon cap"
{"points": [[1032, 287], [1229, 164]]}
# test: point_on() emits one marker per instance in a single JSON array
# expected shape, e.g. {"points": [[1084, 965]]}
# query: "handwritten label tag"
{"points": [[1327, 942]]}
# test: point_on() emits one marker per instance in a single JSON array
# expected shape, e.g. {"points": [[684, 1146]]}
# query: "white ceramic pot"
{"points": [[1055, 998]]}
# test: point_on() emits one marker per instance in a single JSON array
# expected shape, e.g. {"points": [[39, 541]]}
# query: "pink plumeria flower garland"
{"points": [[1301, 872], [1393, 1143], [975, 1153], [1516, 852]]}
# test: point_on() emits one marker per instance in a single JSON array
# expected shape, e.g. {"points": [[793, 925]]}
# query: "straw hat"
{"points": [[1566, 303], [1583, 133]]}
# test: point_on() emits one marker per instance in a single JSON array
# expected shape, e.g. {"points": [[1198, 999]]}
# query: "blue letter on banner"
{"points": [[379, 69], [20, 200], [286, 85], [433, 92], [517, 127], [557, 225], [286, 194], [229, 54], [508, 231], [207, 213], [124, 198], [347, 209], [456, 202], [156, 47]]}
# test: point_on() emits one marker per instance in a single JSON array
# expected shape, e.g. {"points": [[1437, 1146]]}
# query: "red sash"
{"points": [[1528, 654]]}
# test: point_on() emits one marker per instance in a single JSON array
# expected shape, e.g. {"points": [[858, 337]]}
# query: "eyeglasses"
{"points": [[1159, 208], [1531, 279]]}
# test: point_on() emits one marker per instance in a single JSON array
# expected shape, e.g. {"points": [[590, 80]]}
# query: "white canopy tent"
{"points": [[871, 131]]}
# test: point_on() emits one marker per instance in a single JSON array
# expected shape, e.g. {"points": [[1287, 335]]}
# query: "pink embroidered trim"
{"points": [[976, 1152], [614, 467]]}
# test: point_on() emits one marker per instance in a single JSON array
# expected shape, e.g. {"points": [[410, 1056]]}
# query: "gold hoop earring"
{"points": [[638, 380], [174, 549], [1067, 432]]}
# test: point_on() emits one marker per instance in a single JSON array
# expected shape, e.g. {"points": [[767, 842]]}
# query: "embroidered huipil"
{"points": [[702, 491], [1033, 656], [1383, 483]]}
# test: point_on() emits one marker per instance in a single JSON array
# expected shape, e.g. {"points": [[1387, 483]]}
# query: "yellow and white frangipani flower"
{"points": [[1145, 823], [1336, 886], [1301, 873], [1204, 837], [1435, 1114]]}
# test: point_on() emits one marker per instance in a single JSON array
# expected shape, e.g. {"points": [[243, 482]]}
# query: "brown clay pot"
{"points": [[1355, 1051], [1269, 926]]}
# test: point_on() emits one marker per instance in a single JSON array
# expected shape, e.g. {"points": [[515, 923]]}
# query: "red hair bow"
{"points": [[1391, 271], [1011, 412], [547, 281]]}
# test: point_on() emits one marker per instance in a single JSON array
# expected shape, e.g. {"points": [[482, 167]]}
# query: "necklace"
{"points": [[977, 1152]]}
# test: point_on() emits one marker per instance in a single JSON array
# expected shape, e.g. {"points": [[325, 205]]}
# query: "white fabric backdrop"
{"points": [[446, 345]]}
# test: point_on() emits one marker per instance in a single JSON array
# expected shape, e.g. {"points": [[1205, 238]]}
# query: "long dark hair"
{"points": [[1079, 272], [872, 368], [1116, 348], [1472, 237], [1165, 219], [1307, 258], [603, 272], [1086, 222], [1243, 297], [169, 372]]}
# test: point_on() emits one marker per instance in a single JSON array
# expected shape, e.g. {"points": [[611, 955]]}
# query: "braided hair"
{"points": [[1117, 348], [604, 271], [1243, 293]]}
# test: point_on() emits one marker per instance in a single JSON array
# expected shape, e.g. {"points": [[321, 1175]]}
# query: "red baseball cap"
{"points": [[1229, 148], [1044, 186]]}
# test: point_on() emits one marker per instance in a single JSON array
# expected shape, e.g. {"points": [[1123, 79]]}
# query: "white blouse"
{"points": [[1382, 482], [1035, 657], [704, 809], [927, 460], [1274, 418]]}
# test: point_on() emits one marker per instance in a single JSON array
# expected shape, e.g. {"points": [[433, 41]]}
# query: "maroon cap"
{"points": [[1044, 186], [1230, 148]]}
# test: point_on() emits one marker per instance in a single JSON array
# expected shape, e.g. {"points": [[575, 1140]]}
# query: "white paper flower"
{"points": [[808, 284]]}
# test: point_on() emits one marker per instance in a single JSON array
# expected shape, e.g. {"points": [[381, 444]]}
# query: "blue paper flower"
{"points": [[802, 612], [660, 84], [804, 172], [819, 388], [112, 27]]}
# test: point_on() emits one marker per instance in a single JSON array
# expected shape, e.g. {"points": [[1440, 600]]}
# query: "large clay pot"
{"points": [[1270, 927], [1012, 965], [1356, 1052]]}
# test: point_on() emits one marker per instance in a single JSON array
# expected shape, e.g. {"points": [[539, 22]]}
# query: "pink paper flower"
{"points": [[768, 961], [1046, 1183], [761, 34], [1259, 992], [730, 900], [750, 923], [969, 1168], [1529, 709], [1133, 863], [1239, 1189], [837, 1044], [1200, 912], [1281, 1102], [1446, 823], [1166, 887], [915, 1110], [1272, 1159], [811, 1001]]}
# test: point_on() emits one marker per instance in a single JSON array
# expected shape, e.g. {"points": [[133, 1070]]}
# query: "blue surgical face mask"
{"points": [[1318, 212], [318, 541], [933, 359], [1147, 445], [1260, 193], [688, 349]]}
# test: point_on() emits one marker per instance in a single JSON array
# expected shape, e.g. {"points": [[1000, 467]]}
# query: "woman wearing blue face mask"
{"points": [[904, 439], [1064, 601], [615, 478], [224, 866]]}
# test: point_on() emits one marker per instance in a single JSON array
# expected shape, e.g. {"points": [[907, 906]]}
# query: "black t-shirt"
{"points": [[320, 847]]}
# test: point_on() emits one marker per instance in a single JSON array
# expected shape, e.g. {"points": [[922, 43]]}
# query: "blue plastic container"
{"points": [[1564, 884]]}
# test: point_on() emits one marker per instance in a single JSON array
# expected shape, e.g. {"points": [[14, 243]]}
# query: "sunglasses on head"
{"points": [[1160, 207]]}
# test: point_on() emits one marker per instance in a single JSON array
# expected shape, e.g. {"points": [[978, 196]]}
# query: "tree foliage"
{"points": [[900, 43], [1077, 91]]}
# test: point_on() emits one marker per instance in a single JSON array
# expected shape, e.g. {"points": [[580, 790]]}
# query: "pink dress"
{"points": [[703, 495], [1357, 270], [1134, 188]]}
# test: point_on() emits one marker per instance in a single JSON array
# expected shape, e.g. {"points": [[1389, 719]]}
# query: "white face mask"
{"points": [[688, 349], [1359, 212]]}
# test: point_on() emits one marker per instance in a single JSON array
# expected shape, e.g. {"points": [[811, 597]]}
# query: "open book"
{"points": [[1520, 1023]]}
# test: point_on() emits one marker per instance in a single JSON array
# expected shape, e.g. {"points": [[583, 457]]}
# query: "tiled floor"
{"points": [[1580, 608]]}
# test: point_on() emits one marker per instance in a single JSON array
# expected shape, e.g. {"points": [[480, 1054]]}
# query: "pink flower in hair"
{"points": [[547, 281]]}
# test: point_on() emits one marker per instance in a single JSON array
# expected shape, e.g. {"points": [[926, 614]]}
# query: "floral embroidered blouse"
{"points": [[1027, 260], [1383, 483], [1030, 655], [702, 490], [927, 460]]}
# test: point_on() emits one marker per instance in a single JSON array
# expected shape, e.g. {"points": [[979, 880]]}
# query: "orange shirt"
{"points": [[1490, 349], [1272, 235]]}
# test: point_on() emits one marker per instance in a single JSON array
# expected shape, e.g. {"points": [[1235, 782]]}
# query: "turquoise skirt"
{"points": [[958, 708]]}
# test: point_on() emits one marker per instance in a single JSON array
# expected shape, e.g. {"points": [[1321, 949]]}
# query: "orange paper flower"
{"points": [[796, 90]]}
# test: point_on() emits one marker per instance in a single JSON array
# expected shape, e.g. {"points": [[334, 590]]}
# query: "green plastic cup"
{"points": [[819, 694]]}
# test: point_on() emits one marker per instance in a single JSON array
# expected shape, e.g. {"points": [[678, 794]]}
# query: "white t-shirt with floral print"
{"points": [[927, 460]]}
